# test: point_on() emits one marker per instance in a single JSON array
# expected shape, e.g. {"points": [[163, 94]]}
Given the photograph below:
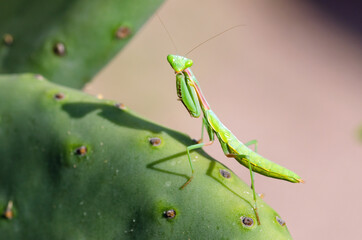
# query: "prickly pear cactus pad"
{"points": [[67, 41], [76, 167]]}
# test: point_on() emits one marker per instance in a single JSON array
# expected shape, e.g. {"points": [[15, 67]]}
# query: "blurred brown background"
{"points": [[291, 78]]}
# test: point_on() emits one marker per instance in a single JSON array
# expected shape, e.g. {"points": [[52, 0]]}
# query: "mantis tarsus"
{"points": [[189, 92]]}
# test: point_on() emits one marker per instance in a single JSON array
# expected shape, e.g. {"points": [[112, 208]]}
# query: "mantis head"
{"points": [[179, 63]]}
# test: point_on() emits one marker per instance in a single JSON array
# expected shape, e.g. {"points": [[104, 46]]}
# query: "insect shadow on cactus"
{"points": [[211, 172], [157, 162]]}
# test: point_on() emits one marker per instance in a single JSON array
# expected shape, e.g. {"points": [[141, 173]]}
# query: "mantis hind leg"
{"points": [[255, 143], [251, 177], [254, 193]]}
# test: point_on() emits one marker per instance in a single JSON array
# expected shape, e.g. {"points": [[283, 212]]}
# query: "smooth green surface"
{"points": [[120, 188], [87, 28]]}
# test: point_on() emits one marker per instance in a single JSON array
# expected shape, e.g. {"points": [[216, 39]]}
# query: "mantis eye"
{"points": [[188, 63]]}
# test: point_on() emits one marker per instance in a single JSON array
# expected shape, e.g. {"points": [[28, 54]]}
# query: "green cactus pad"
{"points": [[76, 167], [67, 41]]}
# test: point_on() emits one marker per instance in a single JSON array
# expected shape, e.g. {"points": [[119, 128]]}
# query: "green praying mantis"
{"points": [[190, 94]]}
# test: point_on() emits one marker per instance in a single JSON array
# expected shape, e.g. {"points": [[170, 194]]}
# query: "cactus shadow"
{"points": [[211, 172], [153, 165]]}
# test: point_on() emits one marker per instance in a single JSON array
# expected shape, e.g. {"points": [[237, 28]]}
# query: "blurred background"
{"points": [[290, 77]]}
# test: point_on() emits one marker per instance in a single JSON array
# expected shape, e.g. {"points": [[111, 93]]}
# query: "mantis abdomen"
{"points": [[243, 154], [266, 167]]}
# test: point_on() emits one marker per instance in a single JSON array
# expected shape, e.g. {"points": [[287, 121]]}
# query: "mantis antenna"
{"points": [[215, 36], [168, 33], [200, 44]]}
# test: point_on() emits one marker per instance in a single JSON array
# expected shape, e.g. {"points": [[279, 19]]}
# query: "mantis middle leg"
{"points": [[199, 144]]}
